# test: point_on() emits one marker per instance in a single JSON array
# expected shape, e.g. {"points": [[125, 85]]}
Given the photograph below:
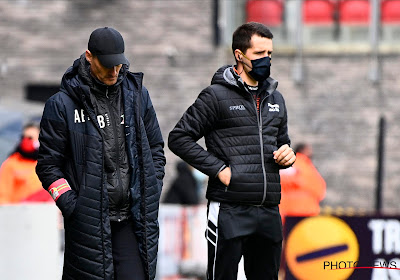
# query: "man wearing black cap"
{"points": [[102, 160]]}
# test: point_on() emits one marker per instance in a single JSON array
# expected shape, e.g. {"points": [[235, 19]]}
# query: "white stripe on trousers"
{"points": [[213, 212]]}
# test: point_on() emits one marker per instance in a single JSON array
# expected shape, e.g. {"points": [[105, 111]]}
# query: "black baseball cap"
{"points": [[108, 46]]}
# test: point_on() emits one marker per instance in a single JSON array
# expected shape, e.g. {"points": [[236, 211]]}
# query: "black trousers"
{"points": [[127, 262], [253, 232]]}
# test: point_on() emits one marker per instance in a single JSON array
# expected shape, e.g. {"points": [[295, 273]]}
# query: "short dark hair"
{"points": [[242, 36]]}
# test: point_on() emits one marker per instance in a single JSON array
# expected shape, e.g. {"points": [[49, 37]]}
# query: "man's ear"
{"points": [[238, 55], [89, 56]]}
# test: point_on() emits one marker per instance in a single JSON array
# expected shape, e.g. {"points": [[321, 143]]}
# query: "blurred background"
{"points": [[337, 63]]}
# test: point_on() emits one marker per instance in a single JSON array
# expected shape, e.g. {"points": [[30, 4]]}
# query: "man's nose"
{"points": [[113, 70]]}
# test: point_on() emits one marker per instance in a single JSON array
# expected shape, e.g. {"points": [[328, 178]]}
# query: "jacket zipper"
{"points": [[117, 152], [259, 122], [262, 155]]}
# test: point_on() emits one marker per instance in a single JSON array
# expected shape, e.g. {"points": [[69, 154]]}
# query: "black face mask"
{"points": [[261, 68]]}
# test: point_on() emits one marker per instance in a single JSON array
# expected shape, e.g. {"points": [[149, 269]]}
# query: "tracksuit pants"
{"points": [[125, 251], [253, 232]]}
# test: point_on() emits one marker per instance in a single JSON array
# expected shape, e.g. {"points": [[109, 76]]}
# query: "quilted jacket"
{"points": [[72, 148]]}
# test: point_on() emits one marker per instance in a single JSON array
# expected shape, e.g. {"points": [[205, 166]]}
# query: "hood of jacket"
{"points": [[227, 76], [78, 77]]}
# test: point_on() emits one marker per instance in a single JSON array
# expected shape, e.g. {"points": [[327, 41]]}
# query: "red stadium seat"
{"points": [[354, 12], [390, 17], [390, 11], [268, 12], [318, 11], [319, 23]]}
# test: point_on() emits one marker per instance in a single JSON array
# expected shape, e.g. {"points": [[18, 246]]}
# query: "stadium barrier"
{"points": [[358, 245]]}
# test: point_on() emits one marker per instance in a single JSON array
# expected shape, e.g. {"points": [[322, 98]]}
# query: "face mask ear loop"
{"points": [[245, 63], [242, 68], [238, 72]]}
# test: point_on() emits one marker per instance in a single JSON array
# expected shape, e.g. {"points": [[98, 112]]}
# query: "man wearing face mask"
{"points": [[18, 179], [243, 119]]}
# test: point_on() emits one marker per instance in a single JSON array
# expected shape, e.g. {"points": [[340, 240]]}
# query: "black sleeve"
{"points": [[52, 150], [154, 136], [283, 135], [198, 120]]}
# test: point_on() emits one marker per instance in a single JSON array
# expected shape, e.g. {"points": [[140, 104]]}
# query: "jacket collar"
{"points": [[97, 87], [77, 81], [226, 75]]}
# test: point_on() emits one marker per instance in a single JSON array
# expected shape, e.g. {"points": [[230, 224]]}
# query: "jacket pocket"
{"points": [[228, 206], [75, 203], [67, 203], [233, 181]]}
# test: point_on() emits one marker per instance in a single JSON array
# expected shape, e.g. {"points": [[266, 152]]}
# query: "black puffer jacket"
{"points": [[236, 135], [72, 147], [109, 109]]}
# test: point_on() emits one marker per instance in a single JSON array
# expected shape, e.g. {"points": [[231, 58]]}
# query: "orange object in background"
{"points": [[302, 188], [19, 182]]}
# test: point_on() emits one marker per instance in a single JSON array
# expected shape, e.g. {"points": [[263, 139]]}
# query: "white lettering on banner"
{"points": [[377, 235], [392, 237], [385, 236], [386, 274], [394, 273]]}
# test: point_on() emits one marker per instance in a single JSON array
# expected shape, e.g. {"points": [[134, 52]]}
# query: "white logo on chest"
{"points": [[273, 107], [237, 108], [79, 117]]}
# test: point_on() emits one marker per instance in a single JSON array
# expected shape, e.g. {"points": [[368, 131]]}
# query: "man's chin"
{"points": [[110, 82]]}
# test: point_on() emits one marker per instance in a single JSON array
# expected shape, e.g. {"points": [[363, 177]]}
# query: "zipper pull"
{"points": [[107, 92]]}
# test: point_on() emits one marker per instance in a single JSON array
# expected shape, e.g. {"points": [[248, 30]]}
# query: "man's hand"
{"points": [[225, 176], [284, 155]]}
